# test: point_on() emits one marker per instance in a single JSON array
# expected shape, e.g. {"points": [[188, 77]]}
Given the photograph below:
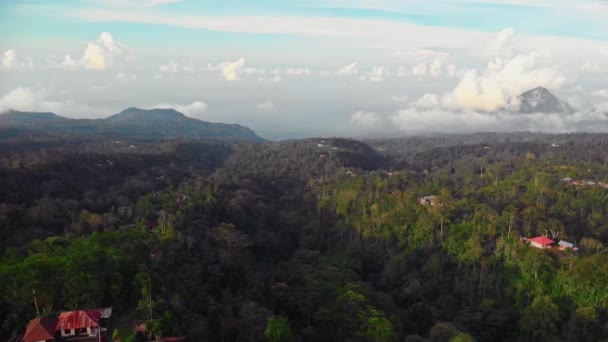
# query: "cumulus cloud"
{"points": [[427, 101], [365, 119], [104, 53], [431, 69], [501, 81], [435, 68], [437, 120], [68, 62], [20, 98], [419, 69], [377, 74], [195, 109], [348, 70], [265, 107], [500, 45], [230, 71], [297, 71], [601, 93], [26, 99], [9, 59], [172, 66]]}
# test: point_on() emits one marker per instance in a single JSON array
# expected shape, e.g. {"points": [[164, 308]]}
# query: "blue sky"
{"points": [[348, 67], [581, 19]]}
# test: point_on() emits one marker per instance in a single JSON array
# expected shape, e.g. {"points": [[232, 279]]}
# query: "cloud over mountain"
{"points": [[104, 53]]}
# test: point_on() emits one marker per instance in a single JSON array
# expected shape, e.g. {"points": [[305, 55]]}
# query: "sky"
{"points": [[299, 68]]}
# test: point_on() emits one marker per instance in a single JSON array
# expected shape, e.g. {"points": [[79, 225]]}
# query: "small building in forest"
{"points": [[78, 325], [541, 242], [430, 200], [565, 245], [40, 330]]}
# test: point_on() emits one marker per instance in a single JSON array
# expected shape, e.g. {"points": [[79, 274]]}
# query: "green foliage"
{"points": [[278, 329], [210, 253]]}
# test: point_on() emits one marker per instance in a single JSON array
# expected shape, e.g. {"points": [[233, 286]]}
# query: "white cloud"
{"points": [[601, 93], [377, 74], [427, 101], [22, 99], [419, 69], [602, 107], [273, 79], [435, 68], [68, 62], [348, 70], [365, 119], [171, 66], [9, 59], [297, 71], [26, 99], [123, 76], [501, 81], [500, 45], [195, 109], [436, 120], [421, 54], [253, 71], [104, 53], [232, 70], [431, 69], [451, 69], [266, 107]]}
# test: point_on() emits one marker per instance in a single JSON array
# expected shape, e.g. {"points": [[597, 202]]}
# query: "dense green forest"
{"points": [[310, 240]]}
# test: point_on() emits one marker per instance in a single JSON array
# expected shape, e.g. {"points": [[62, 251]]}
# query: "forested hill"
{"points": [[322, 239], [131, 122]]}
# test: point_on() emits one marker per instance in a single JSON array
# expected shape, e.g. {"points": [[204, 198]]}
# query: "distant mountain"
{"points": [[16, 118], [540, 100], [132, 122]]}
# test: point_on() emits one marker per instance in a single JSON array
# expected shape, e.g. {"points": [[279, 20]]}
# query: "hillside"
{"points": [[131, 122], [325, 238]]}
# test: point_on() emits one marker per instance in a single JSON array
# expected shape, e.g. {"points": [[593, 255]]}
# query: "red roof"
{"points": [[40, 329], [78, 319], [542, 240]]}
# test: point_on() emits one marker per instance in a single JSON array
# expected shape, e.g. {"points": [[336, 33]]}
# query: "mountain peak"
{"points": [[156, 114], [541, 100]]}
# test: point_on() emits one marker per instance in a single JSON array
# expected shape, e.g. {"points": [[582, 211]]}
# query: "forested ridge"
{"points": [[310, 240]]}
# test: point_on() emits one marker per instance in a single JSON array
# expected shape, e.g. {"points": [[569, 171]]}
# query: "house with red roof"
{"points": [[541, 242], [80, 323], [40, 330]]}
